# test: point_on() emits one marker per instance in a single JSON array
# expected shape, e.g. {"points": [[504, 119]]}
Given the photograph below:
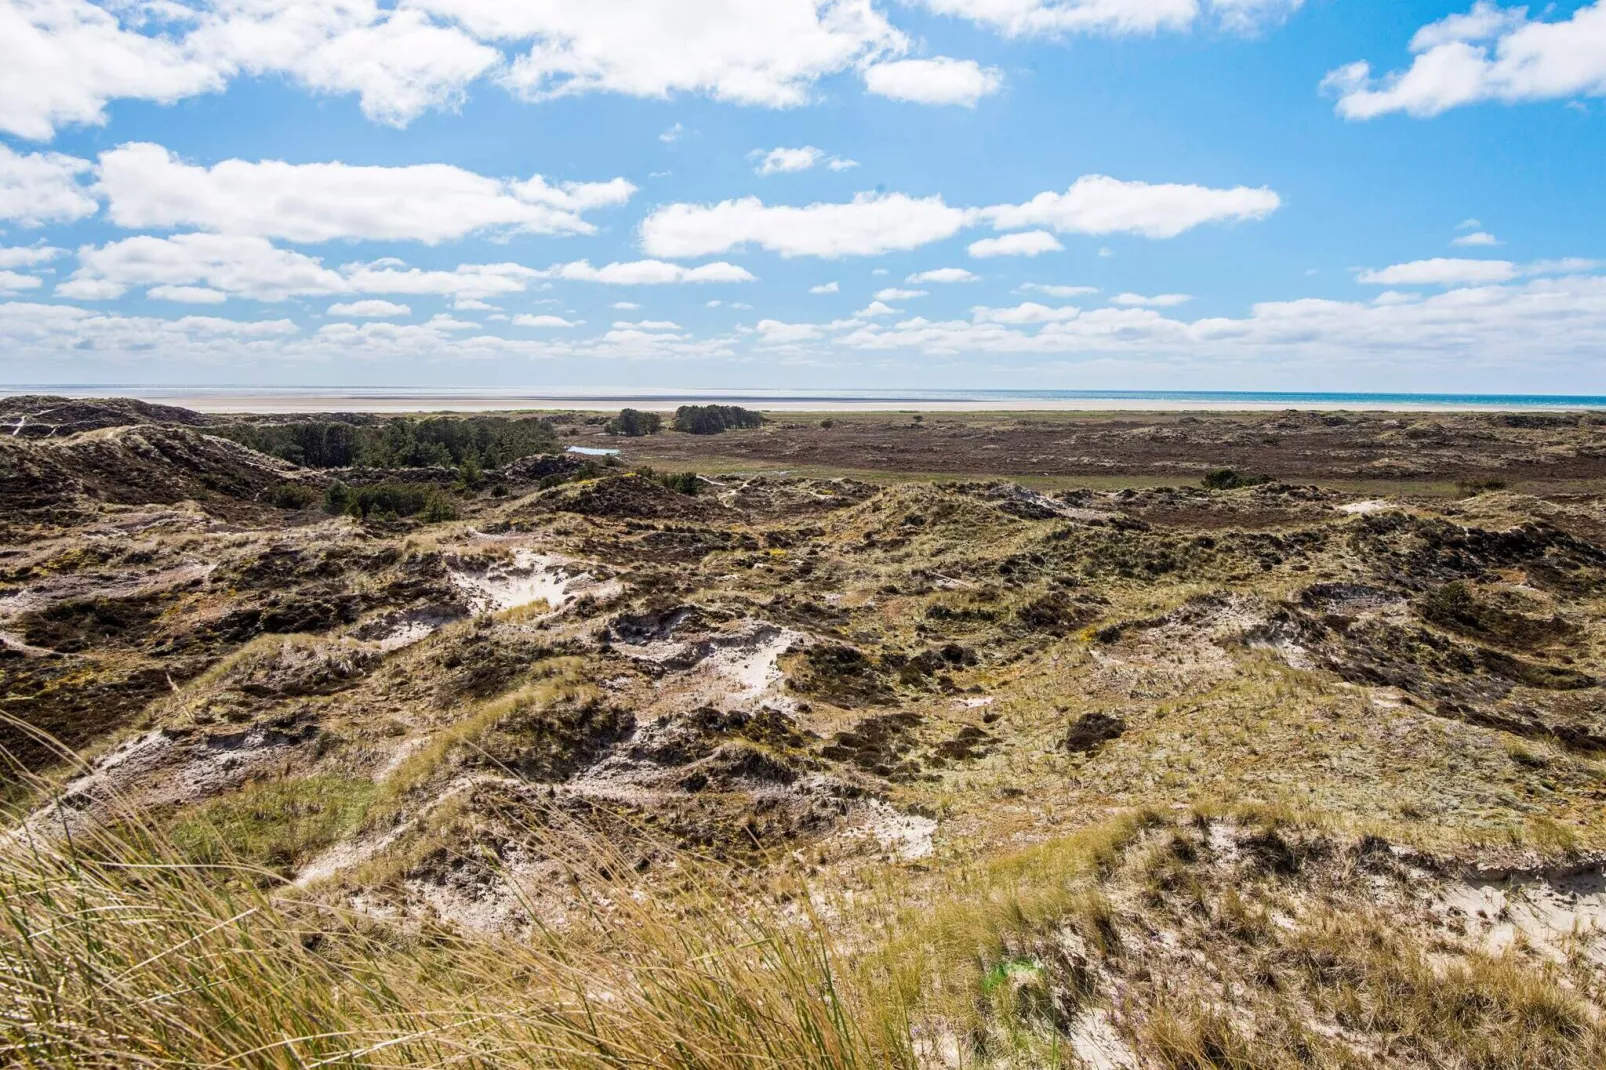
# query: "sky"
{"points": [[1341, 195]]}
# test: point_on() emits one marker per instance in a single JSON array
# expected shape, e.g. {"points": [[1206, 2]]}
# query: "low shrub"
{"points": [[293, 496], [1232, 479]]}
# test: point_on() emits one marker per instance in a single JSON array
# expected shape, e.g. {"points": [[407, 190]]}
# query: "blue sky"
{"points": [[1072, 194]]}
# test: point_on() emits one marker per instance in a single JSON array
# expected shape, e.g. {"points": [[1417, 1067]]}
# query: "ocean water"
{"points": [[399, 398]]}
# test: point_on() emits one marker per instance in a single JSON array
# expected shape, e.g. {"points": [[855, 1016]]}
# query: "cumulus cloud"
{"points": [[42, 187], [943, 275], [28, 255], [872, 224], [148, 186], [1440, 271], [1026, 243], [894, 293], [825, 288], [1477, 237], [934, 81], [13, 282], [1558, 319], [1019, 18], [1098, 204], [774, 332], [542, 321], [1027, 312], [61, 61], [371, 309], [252, 267], [767, 54], [1489, 53], [1130, 300], [188, 295], [869, 225], [650, 273], [1057, 290], [875, 308], [787, 161], [65, 60]]}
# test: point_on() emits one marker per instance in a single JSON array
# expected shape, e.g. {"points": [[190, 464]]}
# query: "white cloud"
{"points": [[1440, 271], [867, 226], [1469, 224], [872, 224], [650, 273], [1027, 312], [934, 81], [148, 186], [767, 53], [188, 295], [542, 321], [875, 308], [790, 161], [775, 332], [41, 187], [28, 255], [1055, 290], [371, 309], [89, 289], [1130, 300], [61, 61], [249, 267], [1026, 243], [252, 267], [646, 325], [787, 161], [1488, 54], [1098, 204], [473, 304], [943, 275], [825, 288], [672, 135], [1018, 18], [625, 306], [893, 293], [11, 282], [68, 58], [398, 62], [1478, 237]]}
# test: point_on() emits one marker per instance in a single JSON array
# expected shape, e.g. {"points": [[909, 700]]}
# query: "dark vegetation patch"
{"points": [[1457, 607], [841, 675], [1091, 731], [1232, 479], [878, 745], [400, 442], [713, 419], [634, 423], [383, 501]]}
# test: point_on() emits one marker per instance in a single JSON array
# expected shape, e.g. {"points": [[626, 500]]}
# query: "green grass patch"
{"points": [[273, 825]]}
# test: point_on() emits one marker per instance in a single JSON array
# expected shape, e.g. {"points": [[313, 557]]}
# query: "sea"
{"points": [[368, 398]]}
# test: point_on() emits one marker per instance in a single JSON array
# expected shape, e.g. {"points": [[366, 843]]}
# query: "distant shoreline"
{"points": [[288, 400]]}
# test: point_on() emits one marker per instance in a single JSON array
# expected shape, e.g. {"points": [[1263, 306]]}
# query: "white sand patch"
{"points": [[531, 578], [906, 837], [1097, 1044], [1554, 915], [406, 634], [1374, 505], [753, 666]]}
